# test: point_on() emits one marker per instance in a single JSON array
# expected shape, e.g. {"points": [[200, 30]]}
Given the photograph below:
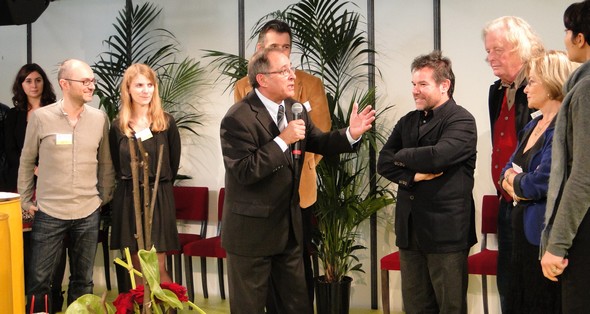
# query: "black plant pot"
{"points": [[332, 297]]}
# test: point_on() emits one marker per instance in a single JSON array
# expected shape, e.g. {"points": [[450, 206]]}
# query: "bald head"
{"points": [[68, 66]]}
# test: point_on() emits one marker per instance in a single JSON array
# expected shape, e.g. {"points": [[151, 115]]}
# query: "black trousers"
{"points": [[308, 232]]}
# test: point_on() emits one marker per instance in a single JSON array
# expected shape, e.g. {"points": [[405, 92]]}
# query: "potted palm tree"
{"points": [[330, 45], [137, 41]]}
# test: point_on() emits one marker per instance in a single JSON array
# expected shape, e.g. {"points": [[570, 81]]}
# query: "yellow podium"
{"points": [[12, 258]]}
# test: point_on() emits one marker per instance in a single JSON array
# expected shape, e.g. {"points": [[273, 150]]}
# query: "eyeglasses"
{"points": [[86, 82], [284, 72]]}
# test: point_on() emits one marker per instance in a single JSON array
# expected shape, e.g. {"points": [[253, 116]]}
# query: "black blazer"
{"points": [[261, 203], [441, 210]]}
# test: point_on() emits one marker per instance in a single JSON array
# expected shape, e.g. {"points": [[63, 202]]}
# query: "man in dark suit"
{"points": [[309, 91], [431, 156], [261, 221]]}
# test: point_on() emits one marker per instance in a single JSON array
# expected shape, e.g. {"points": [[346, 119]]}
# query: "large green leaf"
{"points": [[151, 273], [90, 303]]}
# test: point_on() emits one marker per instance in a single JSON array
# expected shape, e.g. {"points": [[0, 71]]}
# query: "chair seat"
{"points": [[209, 247], [483, 263], [184, 239], [391, 261]]}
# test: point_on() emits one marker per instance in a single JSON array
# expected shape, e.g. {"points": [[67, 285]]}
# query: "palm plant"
{"points": [[137, 41], [330, 45]]}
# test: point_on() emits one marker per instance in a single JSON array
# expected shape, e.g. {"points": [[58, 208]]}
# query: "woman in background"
{"points": [[31, 90], [141, 118], [565, 243], [526, 179]]}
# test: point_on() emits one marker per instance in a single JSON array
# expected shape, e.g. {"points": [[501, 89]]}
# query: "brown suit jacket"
{"points": [[307, 88]]}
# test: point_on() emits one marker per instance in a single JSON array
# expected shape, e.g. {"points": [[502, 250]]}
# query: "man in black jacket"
{"points": [[431, 156]]}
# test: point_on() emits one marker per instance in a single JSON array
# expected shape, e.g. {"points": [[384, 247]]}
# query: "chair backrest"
{"points": [[489, 214], [192, 203], [220, 200]]}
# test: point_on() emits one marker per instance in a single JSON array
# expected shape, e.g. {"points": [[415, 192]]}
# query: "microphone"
{"points": [[297, 109]]}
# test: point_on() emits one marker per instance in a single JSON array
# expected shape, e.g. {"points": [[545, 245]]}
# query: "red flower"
{"points": [[124, 301], [137, 294], [179, 290]]}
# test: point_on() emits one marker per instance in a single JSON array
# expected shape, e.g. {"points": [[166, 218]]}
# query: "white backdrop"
{"points": [[403, 30]]}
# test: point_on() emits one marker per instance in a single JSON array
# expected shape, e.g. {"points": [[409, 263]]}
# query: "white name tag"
{"points": [[63, 139], [307, 106], [144, 134]]}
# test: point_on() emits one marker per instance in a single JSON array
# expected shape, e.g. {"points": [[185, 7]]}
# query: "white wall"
{"points": [[73, 28]]}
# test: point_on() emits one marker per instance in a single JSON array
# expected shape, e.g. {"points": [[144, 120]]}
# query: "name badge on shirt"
{"points": [[144, 134], [63, 139], [307, 106]]}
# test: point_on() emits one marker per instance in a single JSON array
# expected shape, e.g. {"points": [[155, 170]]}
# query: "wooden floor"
{"points": [[215, 305]]}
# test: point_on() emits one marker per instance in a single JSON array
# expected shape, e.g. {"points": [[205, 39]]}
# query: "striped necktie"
{"points": [[280, 117]]}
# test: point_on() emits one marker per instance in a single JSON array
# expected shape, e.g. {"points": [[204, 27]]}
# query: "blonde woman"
{"points": [[526, 179], [141, 118]]}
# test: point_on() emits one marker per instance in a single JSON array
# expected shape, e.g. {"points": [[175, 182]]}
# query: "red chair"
{"points": [[209, 247], [388, 262], [486, 262], [192, 204]]}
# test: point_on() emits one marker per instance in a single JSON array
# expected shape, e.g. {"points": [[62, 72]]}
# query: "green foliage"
{"points": [[151, 272], [162, 300], [137, 41], [90, 303]]}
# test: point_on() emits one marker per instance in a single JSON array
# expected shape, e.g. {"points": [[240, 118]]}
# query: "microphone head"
{"points": [[297, 108]]}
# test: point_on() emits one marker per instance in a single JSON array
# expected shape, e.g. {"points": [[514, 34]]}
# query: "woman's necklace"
{"points": [[540, 127]]}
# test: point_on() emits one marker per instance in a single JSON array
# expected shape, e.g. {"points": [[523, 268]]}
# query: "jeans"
{"points": [[504, 253], [46, 246]]}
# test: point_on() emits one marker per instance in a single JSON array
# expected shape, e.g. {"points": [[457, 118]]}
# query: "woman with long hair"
{"points": [[31, 90], [142, 118]]}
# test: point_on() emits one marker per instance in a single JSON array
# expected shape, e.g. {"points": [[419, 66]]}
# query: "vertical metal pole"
{"points": [[241, 30], [372, 154], [436, 20], [29, 43]]}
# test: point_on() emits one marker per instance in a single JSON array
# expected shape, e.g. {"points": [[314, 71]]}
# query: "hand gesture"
{"points": [[360, 122]]}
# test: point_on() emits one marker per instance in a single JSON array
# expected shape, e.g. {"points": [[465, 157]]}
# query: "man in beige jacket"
{"points": [[309, 91]]}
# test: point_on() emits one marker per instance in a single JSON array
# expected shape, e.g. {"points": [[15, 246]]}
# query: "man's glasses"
{"points": [[84, 82], [284, 72]]}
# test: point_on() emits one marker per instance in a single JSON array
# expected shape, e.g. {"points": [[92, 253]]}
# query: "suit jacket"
{"points": [[261, 205], [308, 88], [440, 210]]}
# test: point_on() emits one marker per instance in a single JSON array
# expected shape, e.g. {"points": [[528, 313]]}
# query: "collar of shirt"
{"points": [[271, 106], [426, 115], [60, 104], [511, 88], [520, 78]]}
